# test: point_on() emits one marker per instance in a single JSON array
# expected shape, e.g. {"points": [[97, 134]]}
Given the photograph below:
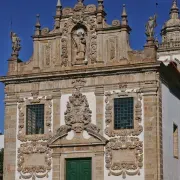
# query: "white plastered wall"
{"points": [[170, 115]]}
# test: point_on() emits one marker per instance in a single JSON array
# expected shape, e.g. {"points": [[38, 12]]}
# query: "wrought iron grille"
{"points": [[35, 119], [124, 113]]}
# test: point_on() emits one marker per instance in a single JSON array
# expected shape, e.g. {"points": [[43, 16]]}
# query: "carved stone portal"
{"points": [[124, 156]]}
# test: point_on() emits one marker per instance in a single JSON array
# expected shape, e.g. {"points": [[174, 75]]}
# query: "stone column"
{"points": [[10, 137], [99, 92], [151, 134], [56, 109]]}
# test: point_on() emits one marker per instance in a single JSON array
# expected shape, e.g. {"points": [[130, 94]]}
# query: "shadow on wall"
{"points": [[1, 163]]}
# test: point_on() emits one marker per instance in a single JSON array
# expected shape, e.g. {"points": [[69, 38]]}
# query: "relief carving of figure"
{"points": [[16, 47], [151, 24], [79, 41]]}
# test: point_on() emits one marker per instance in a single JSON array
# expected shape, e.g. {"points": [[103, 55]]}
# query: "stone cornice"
{"points": [[79, 73]]}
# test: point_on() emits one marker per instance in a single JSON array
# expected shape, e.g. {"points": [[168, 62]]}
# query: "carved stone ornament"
{"points": [[116, 23], [124, 156], [45, 31], [64, 53], [28, 165], [35, 99], [109, 114], [78, 83], [93, 49], [47, 54], [78, 113]]}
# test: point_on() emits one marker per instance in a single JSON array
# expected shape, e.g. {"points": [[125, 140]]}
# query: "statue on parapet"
{"points": [[16, 46], [150, 26]]}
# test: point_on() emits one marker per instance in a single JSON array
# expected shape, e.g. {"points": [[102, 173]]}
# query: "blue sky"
{"points": [[23, 14]]}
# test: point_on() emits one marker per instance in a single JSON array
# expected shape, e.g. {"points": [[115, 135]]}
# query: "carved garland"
{"points": [[33, 151], [64, 54], [124, 156], [22, 117], [93, 49], [109, 114]]}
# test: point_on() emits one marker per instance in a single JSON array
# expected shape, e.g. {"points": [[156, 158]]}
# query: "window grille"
{"points": [[124, 113], [35, 119]]}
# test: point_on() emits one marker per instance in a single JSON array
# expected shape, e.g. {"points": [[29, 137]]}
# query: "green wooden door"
{"points": [[78, 169]]}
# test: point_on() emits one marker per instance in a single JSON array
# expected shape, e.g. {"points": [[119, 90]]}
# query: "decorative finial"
{"points": [[124, 16], [100, 13], [16, 47], [58, 14], [38, 25], [174, 13], [59, 3]]}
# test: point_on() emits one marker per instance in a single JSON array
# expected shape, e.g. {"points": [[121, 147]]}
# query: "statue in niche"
{"points": [[79, 45]]}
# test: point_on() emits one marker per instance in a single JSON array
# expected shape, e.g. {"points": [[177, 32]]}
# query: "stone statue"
{"points": [[16, 47], [80, 45], [151, 24]]}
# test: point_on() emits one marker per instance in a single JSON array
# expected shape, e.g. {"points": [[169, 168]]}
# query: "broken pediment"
{"points": [[88, 137]]}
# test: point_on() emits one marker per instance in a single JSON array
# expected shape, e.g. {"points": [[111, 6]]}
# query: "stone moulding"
{"points": [[109, 114], [23, 102], [27, 153], [124, 156], [34, 147]]}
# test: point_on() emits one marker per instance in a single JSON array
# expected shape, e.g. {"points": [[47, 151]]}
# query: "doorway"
{"points": [[79, 169]]}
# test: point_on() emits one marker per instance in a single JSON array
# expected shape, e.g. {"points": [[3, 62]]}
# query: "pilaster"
{"points": [[151, 133], [99, 92], [10, 138], [56, 109]]}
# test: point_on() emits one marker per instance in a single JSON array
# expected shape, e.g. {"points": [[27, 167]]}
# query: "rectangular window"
{"points": [[175, 141], [35, 119], [124, 113]]}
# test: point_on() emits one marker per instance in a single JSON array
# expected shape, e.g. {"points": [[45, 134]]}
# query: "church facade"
{"points": [[87, 106]]}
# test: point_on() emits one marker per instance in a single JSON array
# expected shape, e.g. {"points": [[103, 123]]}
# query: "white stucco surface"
{"points": [[170, 115], [1, 141]]}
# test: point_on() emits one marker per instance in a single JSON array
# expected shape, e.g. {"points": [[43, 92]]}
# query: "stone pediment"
{"points": [[89, 137]]}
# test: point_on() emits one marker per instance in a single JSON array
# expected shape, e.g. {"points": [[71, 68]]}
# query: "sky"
{"points": [[22, 13]]}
